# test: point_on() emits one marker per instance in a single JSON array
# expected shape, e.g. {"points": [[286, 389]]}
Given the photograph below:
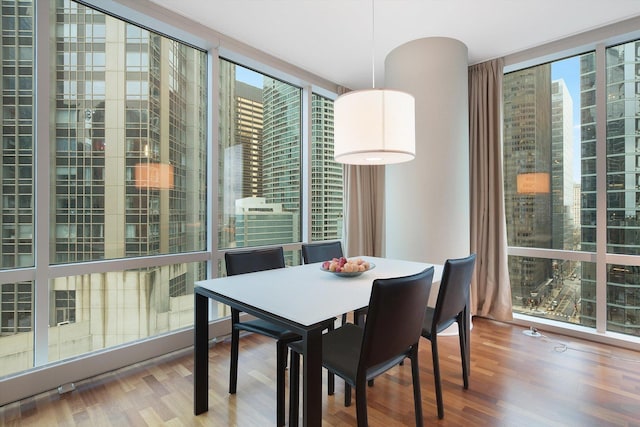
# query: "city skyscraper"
{"points": [[282, 144], [128, 177], [527, 157], [326, 174], [563, 223], [17, 165], [538, 143], [261, 140], [588, 189], [622, 183]]}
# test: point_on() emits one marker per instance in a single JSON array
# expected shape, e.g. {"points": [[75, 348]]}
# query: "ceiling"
{"points": [[335, 39]]}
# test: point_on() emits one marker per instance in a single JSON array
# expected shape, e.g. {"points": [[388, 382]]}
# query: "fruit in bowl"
{"points": [[344, 265]]}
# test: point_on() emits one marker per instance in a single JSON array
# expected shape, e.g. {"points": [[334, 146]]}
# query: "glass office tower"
{"points": [[557, 187], [127, 178], [623, 185], [527, 156]]}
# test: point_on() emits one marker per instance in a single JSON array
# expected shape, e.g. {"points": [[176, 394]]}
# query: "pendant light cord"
{"points": [[373, 45]]}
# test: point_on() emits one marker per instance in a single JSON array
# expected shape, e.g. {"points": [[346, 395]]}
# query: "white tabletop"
{"points": [[306, 294]]}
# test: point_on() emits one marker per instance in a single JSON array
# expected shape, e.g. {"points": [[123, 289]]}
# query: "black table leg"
{"points": [[312, 378], [201, 355]]}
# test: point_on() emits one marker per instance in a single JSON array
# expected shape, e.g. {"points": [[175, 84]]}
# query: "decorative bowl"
{"points": [[350, 273]]}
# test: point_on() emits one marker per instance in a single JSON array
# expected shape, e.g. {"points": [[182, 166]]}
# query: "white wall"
{"points": [[427, 199]]}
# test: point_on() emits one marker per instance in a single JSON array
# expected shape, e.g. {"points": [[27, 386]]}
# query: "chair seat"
{"points": [[268, 329], [428, 323], [358, 354], [340, 350], [451, 307]]}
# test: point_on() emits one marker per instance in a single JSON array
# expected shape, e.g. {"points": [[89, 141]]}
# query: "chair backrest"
{"points": [[394, 318], [323, 251], [454, 291], [253, 260]]}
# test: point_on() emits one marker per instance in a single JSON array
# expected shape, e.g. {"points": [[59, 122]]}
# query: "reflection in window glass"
{"points": [[549, 177], [97, 158], [16, 323], [94, 173], [16, 171], [537, 161], [543, 160], [259, 159], [95, 311]]}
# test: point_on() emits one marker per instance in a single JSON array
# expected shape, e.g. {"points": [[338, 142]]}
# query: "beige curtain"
{"points": [[490, 288], [363, 210]]}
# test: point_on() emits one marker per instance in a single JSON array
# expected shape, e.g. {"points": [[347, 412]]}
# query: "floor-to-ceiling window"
{"points": [[260, 164], [110, 170], [130, 176], [126, 177], [17, 175], [260, 159], [572, 188]]}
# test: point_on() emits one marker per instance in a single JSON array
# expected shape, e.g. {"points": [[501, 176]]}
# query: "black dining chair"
{"points": [[451, 307], [321, 251], [325, 251], [390, 334], [248, 262]]}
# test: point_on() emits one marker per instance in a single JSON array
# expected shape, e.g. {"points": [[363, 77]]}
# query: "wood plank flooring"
{"points": [[515, 380]]}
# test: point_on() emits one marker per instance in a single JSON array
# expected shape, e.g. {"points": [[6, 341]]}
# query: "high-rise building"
{"points": [[129, 153], [562, 225], [527, 156], [17, 166], [588, 197], [577, 190], [282, 144], [326, 174], [623, 188], [261, 140]]}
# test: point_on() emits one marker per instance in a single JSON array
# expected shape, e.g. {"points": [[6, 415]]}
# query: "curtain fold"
{"points": [[490, 287], [363, 210]]}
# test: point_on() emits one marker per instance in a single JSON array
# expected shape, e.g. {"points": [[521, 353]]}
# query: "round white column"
{"points": [[427, 199]]}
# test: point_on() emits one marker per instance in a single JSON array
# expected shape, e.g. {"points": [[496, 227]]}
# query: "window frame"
{"points": [[597, 41], [167, 23]]}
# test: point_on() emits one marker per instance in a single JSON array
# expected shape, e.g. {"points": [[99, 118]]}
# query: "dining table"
{"points": [[305, 299]]}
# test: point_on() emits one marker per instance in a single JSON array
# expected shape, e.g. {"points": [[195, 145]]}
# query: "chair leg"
{"points": [[344, 318], [464, 354], [347, 394], [417, 395], [281, 361], [361, 403], [331, 384], [436, 375], [233, 369], [294, 388], [467, 339]]}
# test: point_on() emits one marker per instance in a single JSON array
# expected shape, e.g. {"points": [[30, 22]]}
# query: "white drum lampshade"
{"points": [[374, 127]]}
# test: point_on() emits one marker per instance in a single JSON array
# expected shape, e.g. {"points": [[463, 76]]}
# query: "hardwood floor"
{"points": [[515, 380]]}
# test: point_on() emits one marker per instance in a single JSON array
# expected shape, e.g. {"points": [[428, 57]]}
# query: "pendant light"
{"points": [[374, 126]]}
